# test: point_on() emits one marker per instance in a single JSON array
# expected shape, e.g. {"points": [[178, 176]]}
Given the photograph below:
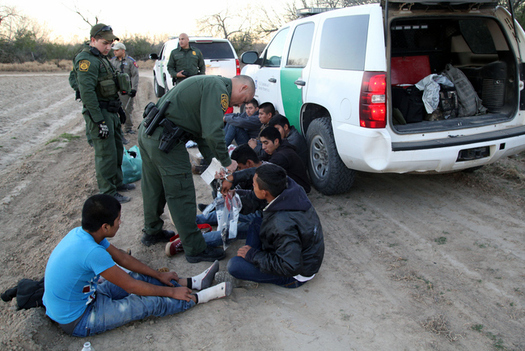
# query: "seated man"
{"points": [[266, 112], [82, 305], [243, 126], [282, 153], [242, 182], [289, 249], [292, 135]]}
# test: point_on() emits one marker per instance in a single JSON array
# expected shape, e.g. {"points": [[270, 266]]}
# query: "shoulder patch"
{"points": [[194, 53], [83, 65], [135, 63], [225, 102]]}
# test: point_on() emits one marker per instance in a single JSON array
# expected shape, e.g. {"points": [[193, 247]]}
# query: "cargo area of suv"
{"points": [[477, 46]]}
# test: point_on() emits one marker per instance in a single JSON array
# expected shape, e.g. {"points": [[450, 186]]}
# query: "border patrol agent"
{"points": [[99, 92], [196, 106], [126, 64], [185, 61]]}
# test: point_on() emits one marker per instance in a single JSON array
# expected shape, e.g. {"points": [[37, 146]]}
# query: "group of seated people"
{"points": [[284, 239]]}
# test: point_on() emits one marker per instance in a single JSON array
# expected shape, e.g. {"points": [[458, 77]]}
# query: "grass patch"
{"points": [[65, 137], [441, 240]]}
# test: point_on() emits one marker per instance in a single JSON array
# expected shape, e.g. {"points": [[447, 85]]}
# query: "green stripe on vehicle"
{"points": [[292, 95]]}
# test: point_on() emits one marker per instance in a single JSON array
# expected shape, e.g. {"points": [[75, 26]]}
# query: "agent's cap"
{"points": [[118, 46], [105, 31]]}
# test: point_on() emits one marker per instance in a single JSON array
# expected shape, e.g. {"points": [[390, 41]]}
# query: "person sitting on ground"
{"points": [[282, 153], [292, 135], [242, 182], [289, 249], [75, 298], [266, 112], [243, 126]]}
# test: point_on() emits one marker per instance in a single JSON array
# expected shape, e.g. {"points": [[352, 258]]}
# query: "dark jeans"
{"points": [[242, 269], [235, 133]]}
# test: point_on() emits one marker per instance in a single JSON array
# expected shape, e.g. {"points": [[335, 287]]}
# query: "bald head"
{"points": [[184, 41], [243, 90]]}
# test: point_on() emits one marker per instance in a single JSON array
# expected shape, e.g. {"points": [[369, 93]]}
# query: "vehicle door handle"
{"points": [[272, 80], [300, 82]]}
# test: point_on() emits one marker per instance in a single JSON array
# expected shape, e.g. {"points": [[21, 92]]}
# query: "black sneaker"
{"points": [[210, 254], [122, 198], [202, 207], [126, 187], [162, 237]]}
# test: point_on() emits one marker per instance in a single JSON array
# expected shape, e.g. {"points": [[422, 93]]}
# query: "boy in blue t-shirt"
{"points": [[75, 298]]}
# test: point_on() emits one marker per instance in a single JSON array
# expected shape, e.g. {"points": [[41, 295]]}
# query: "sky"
{"points": [[126, 17]]}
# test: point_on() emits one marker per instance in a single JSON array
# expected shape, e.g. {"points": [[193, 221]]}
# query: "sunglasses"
{"points": [[103, 29]]}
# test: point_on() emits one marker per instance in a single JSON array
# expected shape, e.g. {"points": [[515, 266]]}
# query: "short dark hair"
{"points": [[243, 153], [267, 107], [270, 133], [272, 178], [279, 119], [99, 209], [254, 102]]}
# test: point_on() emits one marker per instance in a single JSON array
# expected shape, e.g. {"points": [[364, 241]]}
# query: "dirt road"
{"points": [[413, 262]]}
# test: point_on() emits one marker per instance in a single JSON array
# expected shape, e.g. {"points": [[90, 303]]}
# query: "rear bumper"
{"points": [[373, 151]]}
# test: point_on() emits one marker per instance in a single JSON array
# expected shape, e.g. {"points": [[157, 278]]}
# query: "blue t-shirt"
{"points": [[72, 272]]}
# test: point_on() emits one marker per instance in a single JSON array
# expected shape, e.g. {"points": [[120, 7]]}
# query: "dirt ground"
{"points": [[412, 262]]}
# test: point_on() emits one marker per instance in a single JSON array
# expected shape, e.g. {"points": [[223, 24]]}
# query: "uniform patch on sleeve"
{"points": [[194, 53], [83, 65], [225, 102]]}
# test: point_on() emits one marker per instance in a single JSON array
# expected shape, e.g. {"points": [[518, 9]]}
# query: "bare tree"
{"points": [[7, 12]]}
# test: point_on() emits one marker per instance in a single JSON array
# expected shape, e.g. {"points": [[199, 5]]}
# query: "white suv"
{"points": [[219, 56], [334, 75]]}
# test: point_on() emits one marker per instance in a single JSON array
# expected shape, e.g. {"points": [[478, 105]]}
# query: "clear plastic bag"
{"points": [[227, 209]]}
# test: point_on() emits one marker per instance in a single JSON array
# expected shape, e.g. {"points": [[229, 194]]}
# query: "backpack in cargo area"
{"points": [[468, 100]]}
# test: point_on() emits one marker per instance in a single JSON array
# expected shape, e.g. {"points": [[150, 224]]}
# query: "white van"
{"points": [[335, 75], [219, 56]]}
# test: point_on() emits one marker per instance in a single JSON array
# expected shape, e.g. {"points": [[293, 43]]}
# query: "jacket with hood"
{"points": [[291, 236]]}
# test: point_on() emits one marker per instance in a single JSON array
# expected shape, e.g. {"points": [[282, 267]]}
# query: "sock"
{"points": [[204, 280], [215, 292]]}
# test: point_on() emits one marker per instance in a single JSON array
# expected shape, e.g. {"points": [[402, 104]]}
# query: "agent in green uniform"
{"points": [[99, 92], [185, 61], [197, 106]]}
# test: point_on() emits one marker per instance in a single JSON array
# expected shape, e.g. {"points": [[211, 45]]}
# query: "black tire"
{"points": [[328, 173], [159, 91]]}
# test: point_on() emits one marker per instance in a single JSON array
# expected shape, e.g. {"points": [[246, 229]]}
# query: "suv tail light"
{"points": [[238, 67], [372, 106]]}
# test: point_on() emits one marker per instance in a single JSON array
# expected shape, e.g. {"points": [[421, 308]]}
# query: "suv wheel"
{"points": [[328, 173], [159, 91]]}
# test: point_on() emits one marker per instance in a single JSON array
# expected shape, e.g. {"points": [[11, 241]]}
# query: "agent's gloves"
{"points": [[132, 93], [103, 130], [77, 95]]}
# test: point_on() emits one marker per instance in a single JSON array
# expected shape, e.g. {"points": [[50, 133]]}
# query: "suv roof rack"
{"points": [[310, 11]]}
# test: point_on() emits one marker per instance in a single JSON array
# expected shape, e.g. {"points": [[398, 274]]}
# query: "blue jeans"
{"points": [[231, 133], [242, 269], [213, 238], [114, 307]]}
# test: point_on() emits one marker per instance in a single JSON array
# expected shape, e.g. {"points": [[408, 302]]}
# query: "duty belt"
{"points": [[110, 106]]}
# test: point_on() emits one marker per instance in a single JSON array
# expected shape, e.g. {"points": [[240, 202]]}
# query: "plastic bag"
{"points": [[131, 165], [227, 210], [431, 86]]}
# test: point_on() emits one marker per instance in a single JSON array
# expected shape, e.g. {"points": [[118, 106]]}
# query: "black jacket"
{"points": [[291, 236]]}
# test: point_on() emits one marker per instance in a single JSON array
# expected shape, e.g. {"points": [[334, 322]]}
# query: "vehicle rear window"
{"points": [[215, 50], [343, 43]]}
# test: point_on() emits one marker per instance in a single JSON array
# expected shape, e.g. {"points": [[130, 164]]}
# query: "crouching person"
{"points": [[75, 297], [289, 247]]}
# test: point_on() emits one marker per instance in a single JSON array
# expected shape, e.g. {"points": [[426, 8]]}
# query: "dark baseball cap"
{"points": [[105, 31]]}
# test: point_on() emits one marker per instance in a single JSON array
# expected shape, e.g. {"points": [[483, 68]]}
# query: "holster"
{"points": [[171, 136]]}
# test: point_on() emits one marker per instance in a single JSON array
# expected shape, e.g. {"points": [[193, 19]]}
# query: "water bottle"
{"points": [[88, 347]]}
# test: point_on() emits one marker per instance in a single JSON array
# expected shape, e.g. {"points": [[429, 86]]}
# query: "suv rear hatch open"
{"points": [[425, 38]]}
